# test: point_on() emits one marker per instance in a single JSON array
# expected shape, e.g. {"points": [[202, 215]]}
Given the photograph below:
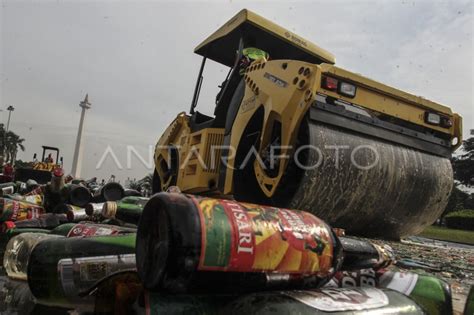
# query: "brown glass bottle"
{"points": [[195, 244], [60, 269], [109, 192]]}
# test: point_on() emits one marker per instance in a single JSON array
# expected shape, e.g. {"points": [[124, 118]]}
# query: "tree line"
{"points": [[10, 143], [463, 168]]}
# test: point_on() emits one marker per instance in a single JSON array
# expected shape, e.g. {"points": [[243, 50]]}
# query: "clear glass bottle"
{"points": [[18, 250]]}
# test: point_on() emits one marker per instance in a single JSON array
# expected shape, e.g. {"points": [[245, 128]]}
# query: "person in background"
{"points": [[49, 159]]}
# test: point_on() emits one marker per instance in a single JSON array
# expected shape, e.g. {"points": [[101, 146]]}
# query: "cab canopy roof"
{"points": [[261, 33]]}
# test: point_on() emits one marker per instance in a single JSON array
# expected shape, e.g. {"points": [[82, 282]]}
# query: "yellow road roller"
{"points": [[291, 129]]}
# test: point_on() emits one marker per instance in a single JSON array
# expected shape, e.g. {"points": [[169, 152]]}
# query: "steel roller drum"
{"points": [[370, 186]]}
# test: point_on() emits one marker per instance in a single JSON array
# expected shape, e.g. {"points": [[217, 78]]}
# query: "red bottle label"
{"points": [[248, 238], [91, 230], [23, 211]]}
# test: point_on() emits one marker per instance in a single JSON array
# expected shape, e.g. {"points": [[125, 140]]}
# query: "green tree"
{"points": [[13, 143], [457, 201], [10, 142], [463, 164], [143, 185], [134, 184], [2, 144], [146, 182], [463, 167]]}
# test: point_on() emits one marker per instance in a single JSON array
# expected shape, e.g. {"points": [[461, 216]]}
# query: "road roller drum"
{"points": [[370, 186]]}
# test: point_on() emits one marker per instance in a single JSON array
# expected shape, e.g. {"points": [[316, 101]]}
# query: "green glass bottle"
{"points": [[45, 221], [132, 193], [16, 298], [77, 195], [129, 209], [119, 223], [74, 213], [111, 191], [60, 269], [122, 293], [93, 229], [338, 301], [66, 229], [63, 229], [135, 200], [54, 192], [432, 293], [12, 231], [469, 307]]}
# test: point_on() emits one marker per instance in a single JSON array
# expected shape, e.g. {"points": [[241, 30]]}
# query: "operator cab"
{"points": [[225, 46], [47, 156]]}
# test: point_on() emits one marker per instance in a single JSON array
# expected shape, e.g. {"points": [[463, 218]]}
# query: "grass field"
{"points": [[450, 235]]}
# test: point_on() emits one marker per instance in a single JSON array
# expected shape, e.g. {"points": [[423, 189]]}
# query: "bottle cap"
{"points": [[8, 169], [7, 225], [109, 209], [94, 208], [70, 215], [89, 208], [58, 172], [112, 191], [339, 232]]}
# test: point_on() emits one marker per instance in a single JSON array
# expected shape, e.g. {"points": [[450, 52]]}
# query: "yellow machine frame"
{"points": [[285, 89]]}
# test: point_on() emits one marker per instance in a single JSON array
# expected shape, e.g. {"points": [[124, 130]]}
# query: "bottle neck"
{"points": [[57, 183], [361, 254]]}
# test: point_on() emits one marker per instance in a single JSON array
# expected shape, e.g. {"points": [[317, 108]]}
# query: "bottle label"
{"points": [[21, 211], [91, 230], [247, 237], [36, 191], [403, 282], [359, 278], [34, 199], [341, 299], [80, 274]]}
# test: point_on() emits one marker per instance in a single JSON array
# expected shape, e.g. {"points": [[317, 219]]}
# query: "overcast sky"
{"points": [[136, 61]]}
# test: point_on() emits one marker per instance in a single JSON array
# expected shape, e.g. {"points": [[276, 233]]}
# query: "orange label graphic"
{"points": [[247, 237]]}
